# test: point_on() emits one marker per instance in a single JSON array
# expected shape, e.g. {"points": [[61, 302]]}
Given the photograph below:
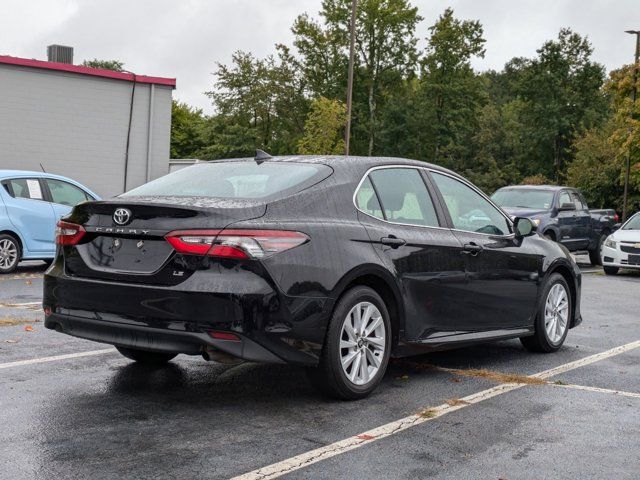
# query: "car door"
{"points": [[32, 216], [582, 222], [405, 225], [502, 272], [64, 196]]}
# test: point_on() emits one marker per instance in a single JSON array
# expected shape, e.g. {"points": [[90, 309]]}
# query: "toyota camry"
{"points": [[332, 263]]}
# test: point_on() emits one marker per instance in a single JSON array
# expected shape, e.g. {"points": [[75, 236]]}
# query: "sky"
{"points": [[185, 38]]}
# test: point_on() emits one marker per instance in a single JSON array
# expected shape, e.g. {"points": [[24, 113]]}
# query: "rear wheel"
{"points": [[595, 256], [552, 320], [145, 356], [357, 348], [10, 253], [611, 270]]}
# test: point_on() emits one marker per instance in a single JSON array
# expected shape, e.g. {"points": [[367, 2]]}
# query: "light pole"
{"points": [[352, 47], [634, 94]]}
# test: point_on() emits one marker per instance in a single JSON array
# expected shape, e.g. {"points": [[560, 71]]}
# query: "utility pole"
{"points": [[352, 48], [634, 95]]}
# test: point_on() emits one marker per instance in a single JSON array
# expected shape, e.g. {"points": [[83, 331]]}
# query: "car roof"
{"points": [[337, 161], [30, 173], [553, 188]]}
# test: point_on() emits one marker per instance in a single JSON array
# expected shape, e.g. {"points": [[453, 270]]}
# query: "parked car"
{"points": [[30, 205], [621, 249], [561, 214], [332, 263]]}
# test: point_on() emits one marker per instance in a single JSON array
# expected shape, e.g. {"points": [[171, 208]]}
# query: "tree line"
{"points": [[554, 118]]}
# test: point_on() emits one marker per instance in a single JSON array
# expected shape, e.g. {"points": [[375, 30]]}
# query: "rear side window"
{"points": [[66, 194], [403, 197], [235, 180], [367, 201], [24, 188]]}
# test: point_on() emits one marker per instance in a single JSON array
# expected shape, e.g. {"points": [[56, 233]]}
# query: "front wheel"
{"points": [[146, 356], [10, 253], [595, 256], [611, 270], [357, 348], [552, 320]]}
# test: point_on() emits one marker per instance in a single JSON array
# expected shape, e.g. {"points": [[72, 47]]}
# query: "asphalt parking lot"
{"points": [[71, 409]]}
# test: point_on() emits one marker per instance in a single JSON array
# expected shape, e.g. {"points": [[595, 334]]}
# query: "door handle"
{"points": [[472, 249], [393, 241]]}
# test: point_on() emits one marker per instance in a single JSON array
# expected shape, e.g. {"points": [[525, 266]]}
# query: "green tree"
{"points": [[451, 91], [561, 93], [115, 65], [187, 125], [263, 97], [385, 54], [323, 128]]}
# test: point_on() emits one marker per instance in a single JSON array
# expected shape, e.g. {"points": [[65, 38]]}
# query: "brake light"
{"points": [[616, 218], [241, 244], [69, 233]]}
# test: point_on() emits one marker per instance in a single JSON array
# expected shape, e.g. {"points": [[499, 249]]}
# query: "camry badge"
{"points": [[122, 216]]}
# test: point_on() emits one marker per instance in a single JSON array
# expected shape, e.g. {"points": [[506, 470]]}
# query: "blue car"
{"points": [[30, 205]]}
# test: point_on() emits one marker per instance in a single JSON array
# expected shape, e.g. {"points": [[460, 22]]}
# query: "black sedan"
{"points": [[333, 263]]}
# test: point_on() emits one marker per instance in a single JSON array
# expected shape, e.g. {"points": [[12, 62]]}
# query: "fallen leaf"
{"points": [[364, 436], [11, 341], [29, 328], [455, 380]]}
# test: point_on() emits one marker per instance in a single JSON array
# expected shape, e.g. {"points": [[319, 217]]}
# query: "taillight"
{"points": [[616, 218], [69, 233], [235, 243]]}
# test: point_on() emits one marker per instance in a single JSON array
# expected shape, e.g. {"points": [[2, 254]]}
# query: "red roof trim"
{"points": [[96, 72]]}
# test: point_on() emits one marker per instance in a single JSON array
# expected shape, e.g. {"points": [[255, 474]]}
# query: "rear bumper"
{"points": [[272, 327], [156, 339]]}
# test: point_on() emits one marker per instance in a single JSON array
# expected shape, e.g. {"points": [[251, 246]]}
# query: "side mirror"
{"points": [[566, 206], [523, 227]]}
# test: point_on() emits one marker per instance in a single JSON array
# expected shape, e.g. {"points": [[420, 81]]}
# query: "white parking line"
{"points": [[21, 363], [308, 458], [621, 393]]}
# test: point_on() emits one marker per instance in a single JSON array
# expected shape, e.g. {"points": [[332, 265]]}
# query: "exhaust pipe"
{"points": [[211, 354]]}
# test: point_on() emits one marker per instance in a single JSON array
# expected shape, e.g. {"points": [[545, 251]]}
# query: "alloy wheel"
{"points": [[362, 343], [556, 313], [8, 253]]}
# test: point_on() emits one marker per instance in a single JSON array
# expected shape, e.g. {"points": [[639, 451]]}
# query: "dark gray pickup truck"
{"points": [[561, 214]]}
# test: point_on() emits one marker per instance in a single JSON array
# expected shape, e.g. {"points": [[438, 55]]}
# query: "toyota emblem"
{"points": [[122, 216]]}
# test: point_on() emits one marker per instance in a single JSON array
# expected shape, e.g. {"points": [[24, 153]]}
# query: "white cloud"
{"points": [[185, 38]]}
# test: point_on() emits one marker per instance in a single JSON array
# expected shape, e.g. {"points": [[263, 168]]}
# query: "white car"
{"points": [[621, 249]]}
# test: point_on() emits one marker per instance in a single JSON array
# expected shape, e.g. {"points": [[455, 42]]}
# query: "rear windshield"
{"points": [[235, 180], [524, 198]]}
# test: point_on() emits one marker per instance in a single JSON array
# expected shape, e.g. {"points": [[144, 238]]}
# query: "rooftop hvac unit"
{"points": [[60, 54]]}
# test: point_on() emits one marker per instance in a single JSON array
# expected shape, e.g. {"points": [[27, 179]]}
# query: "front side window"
{"points": [[469, 210], [633, 223], [564, 198], [248, 180], [24, 188], [66, 194], [576, 200], [404, 197]]}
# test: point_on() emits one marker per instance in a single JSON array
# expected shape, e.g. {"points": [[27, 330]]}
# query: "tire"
{"points": [[145, 356], [611, 270], [353, 382], [549, 236], [542, 340], [10, 253], [595, 256]]}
